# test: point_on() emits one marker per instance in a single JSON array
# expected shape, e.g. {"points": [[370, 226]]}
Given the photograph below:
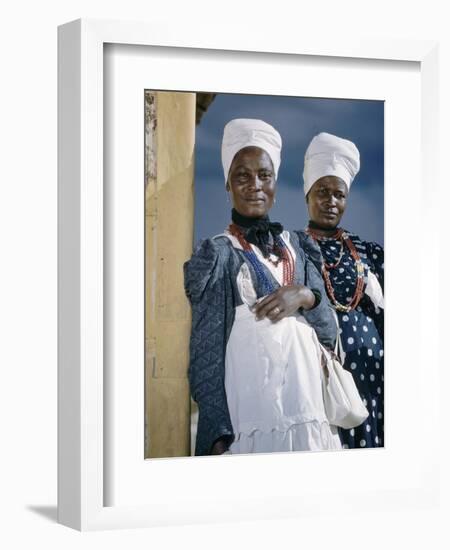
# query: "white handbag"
{"points": [[343, 405]]}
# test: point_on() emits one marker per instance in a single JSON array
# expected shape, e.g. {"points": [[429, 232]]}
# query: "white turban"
{"points": [[329, 155], [249, 132]]}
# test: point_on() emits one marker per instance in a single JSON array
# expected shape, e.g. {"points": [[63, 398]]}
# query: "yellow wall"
{"points": [[169, 203]]}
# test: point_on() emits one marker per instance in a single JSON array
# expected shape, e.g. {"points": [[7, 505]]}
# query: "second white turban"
{"points": [[329, 155]]}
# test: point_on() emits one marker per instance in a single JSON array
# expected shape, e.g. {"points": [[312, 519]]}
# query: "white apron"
{"points": [[273, 382]]}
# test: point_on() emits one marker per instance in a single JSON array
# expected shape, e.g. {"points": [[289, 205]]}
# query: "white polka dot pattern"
{"points": [[361, 336]]}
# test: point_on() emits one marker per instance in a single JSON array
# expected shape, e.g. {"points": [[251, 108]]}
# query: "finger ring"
{"points": [[276, 310]]}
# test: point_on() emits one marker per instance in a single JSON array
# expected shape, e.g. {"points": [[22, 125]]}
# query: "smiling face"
{"points": [[326, 201], [251, 182]]}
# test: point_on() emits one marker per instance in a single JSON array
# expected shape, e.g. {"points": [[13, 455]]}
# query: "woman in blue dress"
{"points": [[353, 271], [255, 357]]}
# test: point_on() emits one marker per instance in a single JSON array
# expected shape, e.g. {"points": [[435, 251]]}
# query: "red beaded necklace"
{"points": [[285, 255], [345, 240]]}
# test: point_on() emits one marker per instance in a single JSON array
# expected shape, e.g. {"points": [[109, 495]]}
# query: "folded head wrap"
{"points": [[249, 132], [329, 155]]}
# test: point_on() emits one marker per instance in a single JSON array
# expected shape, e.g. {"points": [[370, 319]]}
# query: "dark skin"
{"points": [[252, 186], [251, 182], [326, 202], [219, 447]]}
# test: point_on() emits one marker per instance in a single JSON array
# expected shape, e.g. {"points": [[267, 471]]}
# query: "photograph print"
{"points": [[264, 236]]}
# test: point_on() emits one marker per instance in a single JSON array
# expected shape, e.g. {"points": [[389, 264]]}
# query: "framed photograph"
{"points": [[184, 175], [115, 391]]}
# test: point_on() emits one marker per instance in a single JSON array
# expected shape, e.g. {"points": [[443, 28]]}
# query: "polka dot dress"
{"points": [[361, 332]]}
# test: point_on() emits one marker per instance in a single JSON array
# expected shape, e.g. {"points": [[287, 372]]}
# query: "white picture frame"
{"points": [[82, 483]]}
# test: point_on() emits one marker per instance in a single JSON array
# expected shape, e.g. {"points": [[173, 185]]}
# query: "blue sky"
{"points": [[298, 120]]}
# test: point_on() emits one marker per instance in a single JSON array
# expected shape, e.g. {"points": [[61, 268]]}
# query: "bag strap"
{"points": [[338, 348]]}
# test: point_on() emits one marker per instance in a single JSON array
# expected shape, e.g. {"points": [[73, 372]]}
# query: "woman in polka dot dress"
{"points": [[353, 273]]}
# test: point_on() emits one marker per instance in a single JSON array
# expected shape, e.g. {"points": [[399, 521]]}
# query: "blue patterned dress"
{"points": [[361, 330]]}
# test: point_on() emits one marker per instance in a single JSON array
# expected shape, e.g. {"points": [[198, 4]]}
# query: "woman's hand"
{"points": [[284, 302]]}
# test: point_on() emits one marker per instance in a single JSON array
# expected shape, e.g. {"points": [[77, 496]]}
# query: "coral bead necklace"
{"points": [[283, 252], [345, 240]]}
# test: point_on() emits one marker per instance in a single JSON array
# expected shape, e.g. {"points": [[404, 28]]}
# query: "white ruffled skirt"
{"points": [[273, 386]]}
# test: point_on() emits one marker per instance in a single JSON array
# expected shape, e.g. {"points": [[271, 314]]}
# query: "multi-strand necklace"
{"points": [[280, 249], [345, 240]]}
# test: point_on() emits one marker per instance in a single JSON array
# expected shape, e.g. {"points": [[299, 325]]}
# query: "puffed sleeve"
{"points": [[375, 257], [321, 317], [208, 287]]}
